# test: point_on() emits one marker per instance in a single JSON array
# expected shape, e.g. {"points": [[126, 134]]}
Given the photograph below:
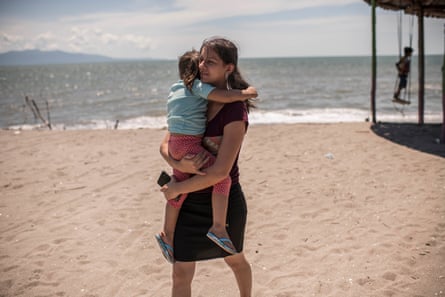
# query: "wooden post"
{"points": [[374, 64], [421, 67], [443, 90]]}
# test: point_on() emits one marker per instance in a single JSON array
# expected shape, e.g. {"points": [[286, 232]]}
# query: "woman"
{"points": [[226, 127]]}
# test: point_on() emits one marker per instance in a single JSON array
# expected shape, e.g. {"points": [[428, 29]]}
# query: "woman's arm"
{"points": [[189, 164], [227, 153]]}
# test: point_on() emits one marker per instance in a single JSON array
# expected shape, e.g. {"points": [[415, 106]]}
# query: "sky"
{"points": [[164, 29]]}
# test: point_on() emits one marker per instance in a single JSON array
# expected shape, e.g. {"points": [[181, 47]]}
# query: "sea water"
{"points": [[291, 90]]}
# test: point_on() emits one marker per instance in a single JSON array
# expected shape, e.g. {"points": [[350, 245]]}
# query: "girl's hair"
{"points": [[228, 52], [408, 50], [189, 67]]}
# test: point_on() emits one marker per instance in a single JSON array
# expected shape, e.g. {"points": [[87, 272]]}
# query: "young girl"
{"points": [[186, 118], [403, 67]]}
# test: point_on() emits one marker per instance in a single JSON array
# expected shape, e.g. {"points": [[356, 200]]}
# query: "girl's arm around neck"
{"points": [[228, 96]]}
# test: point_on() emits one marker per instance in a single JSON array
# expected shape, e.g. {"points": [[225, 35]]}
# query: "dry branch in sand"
{"points": [[36, 111]]}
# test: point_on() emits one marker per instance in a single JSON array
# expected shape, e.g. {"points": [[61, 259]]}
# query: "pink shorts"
{"points": [[182, 145]]}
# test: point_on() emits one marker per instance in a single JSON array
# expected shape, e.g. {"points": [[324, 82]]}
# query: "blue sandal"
{"points": [[221, 242], [167, 250]]}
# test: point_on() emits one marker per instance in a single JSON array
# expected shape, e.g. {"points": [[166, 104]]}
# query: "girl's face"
{"points": [[212, 69]]}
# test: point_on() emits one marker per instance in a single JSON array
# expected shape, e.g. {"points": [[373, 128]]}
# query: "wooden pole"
{"points": [[421, 67], [443, 90], [374, 64]]}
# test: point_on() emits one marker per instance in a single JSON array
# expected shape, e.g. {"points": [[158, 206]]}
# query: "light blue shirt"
{"points": [[187, 111]]}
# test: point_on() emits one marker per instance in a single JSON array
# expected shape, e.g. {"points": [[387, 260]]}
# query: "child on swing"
{"points": [[403, 67], [186, 119]]}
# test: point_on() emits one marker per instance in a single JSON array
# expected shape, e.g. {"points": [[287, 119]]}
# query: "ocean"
{"points": [[291, 90]]}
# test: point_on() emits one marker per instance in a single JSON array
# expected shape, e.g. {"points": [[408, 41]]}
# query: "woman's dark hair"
{"points": [[228, 52], [189, 67]]}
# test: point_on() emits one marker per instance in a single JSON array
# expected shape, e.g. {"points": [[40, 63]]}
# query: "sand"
{"points": [[334, 210]]}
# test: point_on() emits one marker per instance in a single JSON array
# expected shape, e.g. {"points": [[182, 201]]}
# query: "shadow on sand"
{"points": [[423, 138]]}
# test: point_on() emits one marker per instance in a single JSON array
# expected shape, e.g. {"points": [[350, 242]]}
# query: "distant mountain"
{"points": [[36, 57]]}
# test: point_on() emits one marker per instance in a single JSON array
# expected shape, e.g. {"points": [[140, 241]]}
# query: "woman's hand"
{"points": [[193, 163]]}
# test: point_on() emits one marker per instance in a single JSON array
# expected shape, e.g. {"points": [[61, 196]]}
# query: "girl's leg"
{"points": [[219, 215], [183, 273], [243, 273], [219, 212], [220, 202]]}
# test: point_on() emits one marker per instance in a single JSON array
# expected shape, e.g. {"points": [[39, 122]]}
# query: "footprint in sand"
{"points": [[7, 269], [6, 284], [83, 259], [365, 281], [389, 276], [35, 274], [42, 247]]}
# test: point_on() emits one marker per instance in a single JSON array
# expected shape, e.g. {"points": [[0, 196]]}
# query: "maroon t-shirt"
{"points": [[230, 112]]}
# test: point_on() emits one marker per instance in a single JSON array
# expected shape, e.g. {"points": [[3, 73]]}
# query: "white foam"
{"points": [[256, 117], [336, 115], [289, 116], [144, 122]]}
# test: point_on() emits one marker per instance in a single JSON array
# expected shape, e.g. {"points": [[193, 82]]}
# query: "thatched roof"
{"points": [[431, 8]]}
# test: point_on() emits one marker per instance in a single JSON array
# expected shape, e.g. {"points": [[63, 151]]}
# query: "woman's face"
{"points": [[211, 68]]}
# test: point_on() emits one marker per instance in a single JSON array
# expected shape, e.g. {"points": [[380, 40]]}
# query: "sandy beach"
{"points": [[334, 210]]}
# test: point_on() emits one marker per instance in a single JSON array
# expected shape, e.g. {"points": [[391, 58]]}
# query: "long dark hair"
{"points": [[188, 67], [228, 52]]}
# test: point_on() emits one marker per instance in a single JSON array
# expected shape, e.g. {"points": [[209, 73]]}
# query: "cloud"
{"points": [[97, 38], [9, 39], [232, 8], [163, 29], [11, 42], [45, 41], [139, 41], [78, 39]]}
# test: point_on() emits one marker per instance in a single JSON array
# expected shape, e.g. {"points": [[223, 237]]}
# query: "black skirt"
{"points": [[195, 219]]}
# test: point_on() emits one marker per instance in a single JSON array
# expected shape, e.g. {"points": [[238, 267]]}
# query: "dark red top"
{"points": [[230, 112]]}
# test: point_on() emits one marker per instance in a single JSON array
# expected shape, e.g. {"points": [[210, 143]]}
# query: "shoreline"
{"points": [[256, 117], [339, 209], [426, 137]]}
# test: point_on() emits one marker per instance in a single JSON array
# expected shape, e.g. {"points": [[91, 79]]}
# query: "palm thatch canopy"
{"points": [[420, 8], [431, 8]]}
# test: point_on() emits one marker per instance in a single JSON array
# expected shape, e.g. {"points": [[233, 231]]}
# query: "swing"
{"points": [[402, 98]]}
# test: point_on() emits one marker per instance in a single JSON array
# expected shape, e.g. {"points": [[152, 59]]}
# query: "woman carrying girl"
{"points": [[226, 127], [186, 118]]}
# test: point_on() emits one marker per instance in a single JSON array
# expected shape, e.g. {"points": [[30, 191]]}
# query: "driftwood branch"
{"points": [[36, 111], [28, 102], [48, 115]]}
